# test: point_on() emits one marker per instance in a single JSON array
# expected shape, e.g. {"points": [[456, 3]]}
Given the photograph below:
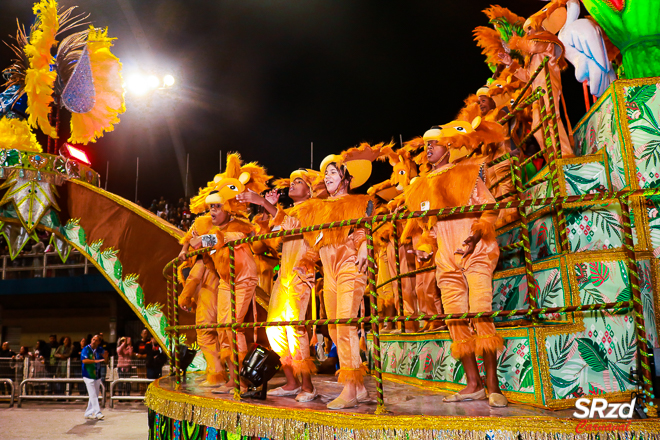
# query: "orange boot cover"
{"points": [[351, 375], [487, 339], [304, 366], [462, 337]]}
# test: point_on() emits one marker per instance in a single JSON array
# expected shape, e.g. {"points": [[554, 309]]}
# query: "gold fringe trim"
{"points": [[262, 420]]}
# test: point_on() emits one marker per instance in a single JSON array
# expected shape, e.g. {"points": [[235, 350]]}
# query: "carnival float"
{"points": [[548, 296]]}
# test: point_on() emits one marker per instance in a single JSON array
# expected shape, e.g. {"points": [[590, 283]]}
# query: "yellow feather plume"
{"points": [[109, 99], [39, 79], [15, 133]]}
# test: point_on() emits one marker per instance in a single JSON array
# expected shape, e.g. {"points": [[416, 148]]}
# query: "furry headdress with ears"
{"points": [[357, 161], [457, 135], [226, 186]]}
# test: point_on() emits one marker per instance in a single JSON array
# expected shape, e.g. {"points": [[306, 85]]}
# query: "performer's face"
{"points": [[332, 179], [486, 104], [218, 216], [299, 191], [434, 151]]}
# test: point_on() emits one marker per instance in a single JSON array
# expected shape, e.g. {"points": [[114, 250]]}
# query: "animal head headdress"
{"points": [[226, 186], [457, 134]]}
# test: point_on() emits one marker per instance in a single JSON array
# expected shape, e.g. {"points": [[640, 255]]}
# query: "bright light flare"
{"points": [[138, 84], [168, 80], [77, 154]]}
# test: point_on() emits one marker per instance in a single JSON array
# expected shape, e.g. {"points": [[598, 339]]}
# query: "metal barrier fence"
{"points": [[44, 265], [4, 385], [126, 381], [41, 379], [54, 380]]}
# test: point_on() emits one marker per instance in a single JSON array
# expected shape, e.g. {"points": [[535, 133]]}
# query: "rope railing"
{"points": [[612, 306]]}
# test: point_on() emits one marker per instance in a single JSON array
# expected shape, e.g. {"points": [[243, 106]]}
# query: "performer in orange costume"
{"points": [[200, 293], [344, 258], [225, 212], [467, 252], [541, 42], [291, 293]]}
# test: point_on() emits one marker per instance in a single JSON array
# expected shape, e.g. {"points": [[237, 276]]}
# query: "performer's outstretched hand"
{"points": [[471, 243], [420, 255]]}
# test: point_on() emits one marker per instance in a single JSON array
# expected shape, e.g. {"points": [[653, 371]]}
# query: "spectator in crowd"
{"points": [[5, 367], [92, 357], [49, 358], [23, 353], [38, 368], [62, 354], [154, 206], [6, 352], [140, 353], [140, 347], [124, 355], [155, 360]]}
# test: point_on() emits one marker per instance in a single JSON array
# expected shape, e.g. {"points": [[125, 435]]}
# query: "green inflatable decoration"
{"points": [[634, 27]]}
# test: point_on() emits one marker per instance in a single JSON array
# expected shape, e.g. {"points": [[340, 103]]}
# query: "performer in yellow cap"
{"points": [[343, 254], [467, 252], [291, 292]]}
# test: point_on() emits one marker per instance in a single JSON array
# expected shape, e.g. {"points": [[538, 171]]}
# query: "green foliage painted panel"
{"points": [[542, 190], [512, 258], [585, 178], [643, 112], [510, 294], [542, 238], [432, 361], [594, 361], [594, 228]]}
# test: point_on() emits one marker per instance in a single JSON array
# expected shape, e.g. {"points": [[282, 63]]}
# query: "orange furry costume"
{"points": [[200, 291], [343, 284], [465, 283], [222, 191], [245, 277], [292, 291]]}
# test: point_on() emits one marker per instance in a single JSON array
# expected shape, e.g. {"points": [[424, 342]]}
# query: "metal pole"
{"points": [[137, 176], [524, 236], [401, 140], [68, 375], [107, 173], [311, 155], [399, 284], [175, 316], [187, 172], [221, 161], [234, 345], [371, 286]]}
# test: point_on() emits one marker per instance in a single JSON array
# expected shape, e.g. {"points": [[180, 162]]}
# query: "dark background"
{"points": [[266, 78]]}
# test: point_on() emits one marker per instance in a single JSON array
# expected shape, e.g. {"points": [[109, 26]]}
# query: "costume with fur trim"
{"points": [[317, 211]]}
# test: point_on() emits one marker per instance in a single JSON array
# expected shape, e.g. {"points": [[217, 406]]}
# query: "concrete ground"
{"points": [[55, 421]]}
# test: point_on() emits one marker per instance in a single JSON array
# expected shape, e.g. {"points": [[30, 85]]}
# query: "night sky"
{"points": [[266, 78]]}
